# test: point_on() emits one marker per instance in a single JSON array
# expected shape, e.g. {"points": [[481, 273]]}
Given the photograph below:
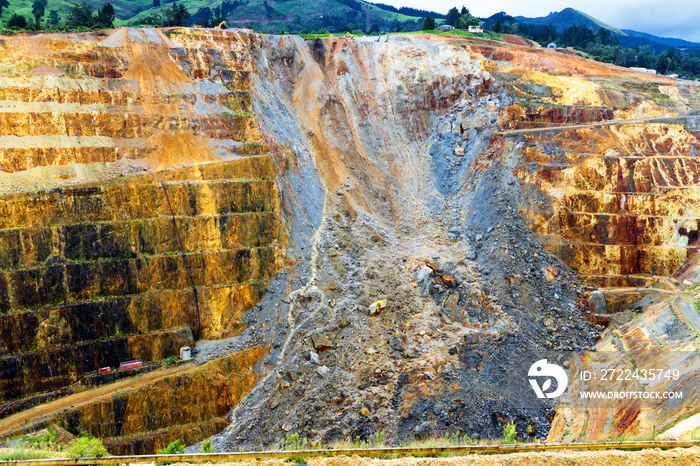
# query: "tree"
{"points": [[452, 16], [17, 21], [153, 19], [203, 17], [428, 23], [105, 17], [81, 15], [176, 15], [54, 19], [3, 4], [461, 24], [40, 6], [496, 26], [547, 34], [662, 64], [578, 36], [603, 36], [37, 19], [465, 13], [156, 3]]}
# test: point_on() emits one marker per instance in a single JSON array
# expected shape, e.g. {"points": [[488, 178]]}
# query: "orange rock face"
{"points": [[619, 199], [140, 214]]}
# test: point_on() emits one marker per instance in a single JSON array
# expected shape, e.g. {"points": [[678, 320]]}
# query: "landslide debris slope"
{"points": [[406, 186], [413, 200]]}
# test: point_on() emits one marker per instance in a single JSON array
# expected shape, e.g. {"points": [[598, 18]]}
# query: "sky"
{"points": [[665, 18]]}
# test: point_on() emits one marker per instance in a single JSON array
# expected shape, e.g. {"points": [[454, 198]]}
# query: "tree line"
{"points": [[80, 16], [83, 16], [460, 19]]}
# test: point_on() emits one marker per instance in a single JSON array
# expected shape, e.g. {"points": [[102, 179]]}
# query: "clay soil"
{"points": [[515, 40]]}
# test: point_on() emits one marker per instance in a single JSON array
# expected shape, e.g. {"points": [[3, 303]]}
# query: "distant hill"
{"points": [[569, 17], [409, 11], [626, 37], [669, 41], [335, 15]]}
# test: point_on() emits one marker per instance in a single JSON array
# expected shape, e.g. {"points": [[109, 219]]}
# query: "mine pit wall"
{"points": [[189, 405], [111, 250], [104, 101], [617, 203], [203, 394], [93, 274], [526, 115]]}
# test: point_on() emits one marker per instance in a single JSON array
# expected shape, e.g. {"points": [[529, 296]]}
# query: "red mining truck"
{"points": [[130, 364]]}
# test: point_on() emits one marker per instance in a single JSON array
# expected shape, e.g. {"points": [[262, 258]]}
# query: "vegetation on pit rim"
{"points": [[45, 446]]}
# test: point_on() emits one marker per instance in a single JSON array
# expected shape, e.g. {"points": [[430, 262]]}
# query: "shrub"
{"points": [[17, 21], [173, 448], [207, 447], [293, 443], [84, 447], [509, 433]]}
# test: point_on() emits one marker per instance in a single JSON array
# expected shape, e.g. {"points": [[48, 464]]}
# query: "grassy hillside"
{"points": [[273, 15]]}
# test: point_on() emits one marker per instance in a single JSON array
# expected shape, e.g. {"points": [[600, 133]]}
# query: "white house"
{"points": [[642, 70], [476, 29], [446, 27]]}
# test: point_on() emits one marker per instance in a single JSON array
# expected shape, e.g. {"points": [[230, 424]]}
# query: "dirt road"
{"points": [[11, 426]]}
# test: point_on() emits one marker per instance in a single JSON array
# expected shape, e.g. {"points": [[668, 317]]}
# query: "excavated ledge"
{"points": [[220, 308], [54, 367], [154, 441], [192, 399]]}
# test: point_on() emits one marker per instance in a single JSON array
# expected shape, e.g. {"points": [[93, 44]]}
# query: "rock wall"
{"points": [[143, 415], [113, 251], [430, 204], [140, 213], [415, 206], [615, 202]]}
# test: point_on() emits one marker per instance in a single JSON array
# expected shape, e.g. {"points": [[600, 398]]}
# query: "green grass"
{"points": [[86, 447], [24, 453], [459, 33]]}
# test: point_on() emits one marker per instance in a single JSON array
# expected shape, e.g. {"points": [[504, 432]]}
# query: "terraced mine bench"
{"points": [[139, 213]]}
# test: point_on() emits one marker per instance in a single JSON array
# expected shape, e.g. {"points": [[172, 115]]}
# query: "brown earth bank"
{"points": [[676, 457]]}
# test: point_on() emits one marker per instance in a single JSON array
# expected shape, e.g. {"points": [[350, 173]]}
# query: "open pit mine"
{"points": [[352, 235]]}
